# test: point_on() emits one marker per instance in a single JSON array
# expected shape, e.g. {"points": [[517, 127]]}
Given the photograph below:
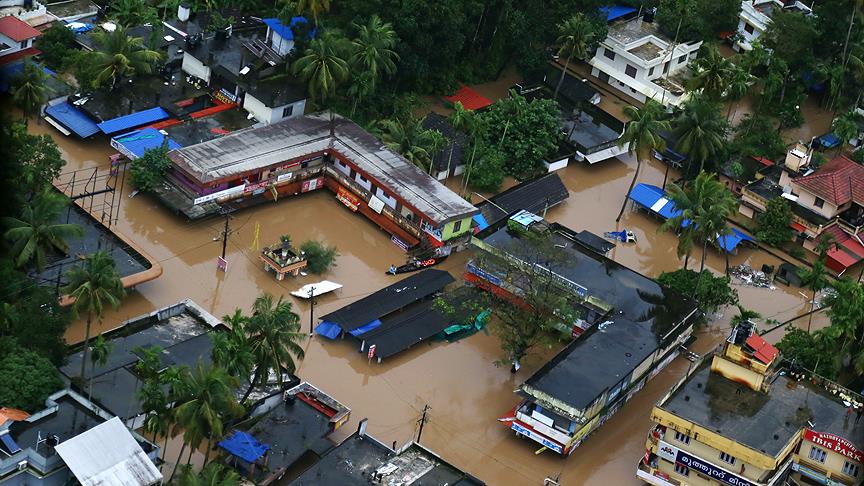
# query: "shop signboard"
{"points": [[667, 451], [814, 475], [704, 467], [348, 199], [834, 443], [376, 204], [220, 194], [284, 177], [536, 437], [312, 184]]}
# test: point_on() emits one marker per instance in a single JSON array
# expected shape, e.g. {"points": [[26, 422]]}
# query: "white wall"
{"points": [[193, 66], [15, 46], [359, 178], [279, 44], [388, 200], [267, 115]]}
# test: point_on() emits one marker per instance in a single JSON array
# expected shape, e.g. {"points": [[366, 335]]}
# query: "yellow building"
{"points": [[740, 417]]}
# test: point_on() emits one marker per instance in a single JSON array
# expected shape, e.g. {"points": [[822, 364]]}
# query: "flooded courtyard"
{"points": [[459, 381]]}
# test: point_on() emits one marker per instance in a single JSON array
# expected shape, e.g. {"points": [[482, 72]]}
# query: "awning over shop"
{"points": [[243, 445], [133, 120], [134, 144], [72, 119], [470, 99]]}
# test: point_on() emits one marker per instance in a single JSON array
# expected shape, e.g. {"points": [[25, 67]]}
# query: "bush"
{"points": [[774, 223], [56, 44], [709, 291], [27, 377], [487, 172], [815, 351], [149, 170], [319, 256]]}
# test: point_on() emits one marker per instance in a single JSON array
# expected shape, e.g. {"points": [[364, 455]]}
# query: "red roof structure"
{"points": [[470, 99], [845, 251], [16, 29], [763, 351], [10, 58], [839, 181]]}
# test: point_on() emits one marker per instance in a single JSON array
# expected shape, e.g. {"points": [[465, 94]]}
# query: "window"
{"points": [[630, 71], [749, 28], [819, 202], [651, 71], [666, 68], [682, 59], [287, 111], [353, 174], [682, 469], [850, 469], [362, 179], [682, 438], [817, 454], [457, 226], [609, 53], [727, 458]]}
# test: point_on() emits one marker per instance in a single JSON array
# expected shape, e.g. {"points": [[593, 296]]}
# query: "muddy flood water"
{"points": [[465, 391]]}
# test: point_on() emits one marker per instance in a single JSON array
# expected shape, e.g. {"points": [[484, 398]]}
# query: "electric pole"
{"points": [[225, 233], [422, 421], [311, 311]]}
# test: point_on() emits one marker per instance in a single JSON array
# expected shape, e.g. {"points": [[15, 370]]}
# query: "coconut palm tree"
{"points": [[408, 138], [213, 474], [94, 285], [373, 49], [204, 400], [460, 118], [29, 90], [845, 127], [273, 331], [816, 278], [846, 309], [313, 7], [712, 224], [322, 66], [362, 85], [739, 84], [711, 73], [744, 315], [575, 35], [688, 201], [36, 234], [857, 7], [701, 132], [120, 55], [99, 353], [642, 135], [231, 349]]}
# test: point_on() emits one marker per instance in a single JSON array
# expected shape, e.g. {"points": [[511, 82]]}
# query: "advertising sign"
{"points": [[537, 437], [284, 177], [834, 443], [372, 351], [667, 451], [219, 195], [710, 470], [376, 204], [816, 476], [347, 198], [312, 184]]}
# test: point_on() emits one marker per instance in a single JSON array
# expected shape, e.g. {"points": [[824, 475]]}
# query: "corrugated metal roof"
{"points": [[139, 141], [133, 120], [73, 119], [108, 455]]}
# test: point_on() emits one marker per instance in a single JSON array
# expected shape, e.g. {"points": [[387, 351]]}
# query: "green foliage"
{"points": [[36, 234], [711, 72], [28, 378], [120, 55], [487, 171], [319, 256], [525, 132], [709, 291], [756, 136], [814, 351], [213, 474], [698, 19], [29, 90], [817, 159], [845, 126], [56, 44], [857, 156], [148, 171], [85, 66], [323, 66], [792, 37], [701, 130], [132, 13], [774, 223], [38, 160]]}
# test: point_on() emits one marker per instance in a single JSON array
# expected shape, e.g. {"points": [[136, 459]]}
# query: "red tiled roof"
{"points": [[470, 99], [764, 161], [29, 52], [762, 350], [12, 414], [839, 181], [16, 29]]}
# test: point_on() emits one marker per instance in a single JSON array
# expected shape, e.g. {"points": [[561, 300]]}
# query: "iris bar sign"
{"points": [[710, 470]]}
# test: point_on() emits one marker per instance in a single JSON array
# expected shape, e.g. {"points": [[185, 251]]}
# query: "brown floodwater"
{"points": [[459, 381]]}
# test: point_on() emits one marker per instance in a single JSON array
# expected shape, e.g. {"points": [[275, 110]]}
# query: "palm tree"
{"points": [[29, 90], [93, 285], [737, 87], [314, 7], [120, 55], [701, 131], [213, 474], [711, 73], [408, 138], [845, 127], [744, 315], [204, 401], [322, 67], [460, 118], [231, 349], [688, 201], [642, 135], [373, 48], [273, 331], [362, 85], [846, 310], [857, 6], [575, 35], [712, 224], [816, 278], [36, 233], [435, 144], [99, 353]]}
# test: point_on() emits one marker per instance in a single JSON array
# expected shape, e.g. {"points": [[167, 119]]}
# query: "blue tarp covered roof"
{"points": [[133, 120], [328, 329], [73, 119], [244, 446], [365, 328], [730, 242], [139, 141], [829, 140], [615, 12], [481, 221], [285, 31]]}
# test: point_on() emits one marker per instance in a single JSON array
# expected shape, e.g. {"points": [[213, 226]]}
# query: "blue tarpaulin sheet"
{"points": [[365, 328], [73, 119], [139, 141], [283, 30], [730, 242], [481, 221], [328, 329], [829, 140], [244, 446], [615, 12], [133, 120]]}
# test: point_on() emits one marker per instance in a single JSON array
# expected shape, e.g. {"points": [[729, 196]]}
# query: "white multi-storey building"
{"points": [[638, 60], [756, 15]]}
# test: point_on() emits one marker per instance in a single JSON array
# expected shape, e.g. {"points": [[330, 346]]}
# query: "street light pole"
{"points": [[311, 311]]}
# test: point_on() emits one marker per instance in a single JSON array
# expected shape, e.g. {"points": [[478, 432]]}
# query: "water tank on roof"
{"points": [[183, 12]]}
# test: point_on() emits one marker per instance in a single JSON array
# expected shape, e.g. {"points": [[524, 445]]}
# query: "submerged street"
{"points": [[459, 381]]}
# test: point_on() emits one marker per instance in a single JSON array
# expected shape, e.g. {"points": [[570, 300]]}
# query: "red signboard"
{"points": [[347, 198], [312, 184], [834, 443], [371, 351]]}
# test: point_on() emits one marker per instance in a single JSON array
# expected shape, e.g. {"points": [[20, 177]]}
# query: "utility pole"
{"points": [[422, 421], [222, 263], [311, 311]]}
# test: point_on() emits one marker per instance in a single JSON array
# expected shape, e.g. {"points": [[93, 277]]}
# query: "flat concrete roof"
{"points": [[248, 151]]}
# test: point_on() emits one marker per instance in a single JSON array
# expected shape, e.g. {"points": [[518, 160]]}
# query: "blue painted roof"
{"points": [[73, 119], [244, 446], [133, 120], [614, 12], [829, 140], [139, 141], [285, 31], [481, 221]]}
